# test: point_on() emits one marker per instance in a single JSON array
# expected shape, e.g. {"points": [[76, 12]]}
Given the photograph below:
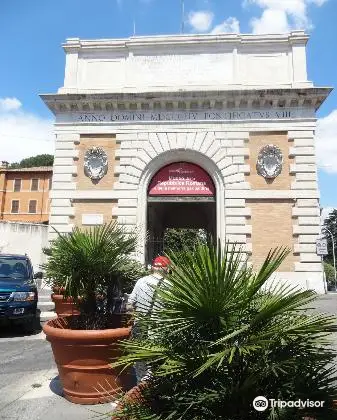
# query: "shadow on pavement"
{"points": [[13, 330]]}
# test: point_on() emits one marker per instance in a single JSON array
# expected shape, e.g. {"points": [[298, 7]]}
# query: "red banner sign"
{"points": [[182, 178]]}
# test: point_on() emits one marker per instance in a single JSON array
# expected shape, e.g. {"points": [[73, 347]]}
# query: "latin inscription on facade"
{"points": [[205, 115]]}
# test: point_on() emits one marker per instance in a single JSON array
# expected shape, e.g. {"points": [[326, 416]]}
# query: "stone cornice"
{"points": [[76, 44], [221, 99]]}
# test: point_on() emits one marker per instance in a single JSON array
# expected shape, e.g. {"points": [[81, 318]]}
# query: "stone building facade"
{"points": [[214, 101]]}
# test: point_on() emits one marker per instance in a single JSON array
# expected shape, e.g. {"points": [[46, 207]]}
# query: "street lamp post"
{"points": [[333, 254]]}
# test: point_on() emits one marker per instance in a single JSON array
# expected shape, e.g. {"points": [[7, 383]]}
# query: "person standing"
{"points": [[141, 301]]}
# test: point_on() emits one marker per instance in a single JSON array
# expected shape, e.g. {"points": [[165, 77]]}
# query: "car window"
{"points": [[14, 268]]}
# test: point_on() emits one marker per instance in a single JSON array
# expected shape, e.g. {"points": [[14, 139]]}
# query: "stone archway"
{"points": [[164, 159], [181, 199]]}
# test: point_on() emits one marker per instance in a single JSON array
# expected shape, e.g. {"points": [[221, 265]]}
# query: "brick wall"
{"points": [[93, 207], [272, 226]]}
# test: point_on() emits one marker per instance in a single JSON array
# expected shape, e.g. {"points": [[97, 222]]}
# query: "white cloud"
{"points": [[201, 21], [23, 134], [9, 104], [230, 25], [326, 142], [271, 21], [282, 15]]}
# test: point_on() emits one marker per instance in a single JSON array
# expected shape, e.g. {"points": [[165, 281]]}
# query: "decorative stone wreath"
{"points": [[95, 163], [269, 162]]}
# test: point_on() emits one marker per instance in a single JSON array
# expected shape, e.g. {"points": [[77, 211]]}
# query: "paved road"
{"points": [[29, 386], [327, 303]]}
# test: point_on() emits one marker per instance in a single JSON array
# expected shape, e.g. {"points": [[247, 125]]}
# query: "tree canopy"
{"points": [[330, 223], [178, 239], [34, 161]]}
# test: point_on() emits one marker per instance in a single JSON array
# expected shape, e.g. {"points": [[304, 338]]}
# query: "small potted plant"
{"points": [[64, 305], [221, 335], [95, 264]]}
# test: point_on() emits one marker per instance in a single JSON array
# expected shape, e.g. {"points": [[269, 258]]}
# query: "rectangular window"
{"points": [[15, 206], [32, 206], [35, 184], [17, 185]]}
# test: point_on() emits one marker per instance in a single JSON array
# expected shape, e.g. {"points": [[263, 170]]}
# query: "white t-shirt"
{"points": [[142, 294]]}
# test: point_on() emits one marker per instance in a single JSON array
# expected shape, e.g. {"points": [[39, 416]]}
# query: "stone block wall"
{"points": [[250, 211]]}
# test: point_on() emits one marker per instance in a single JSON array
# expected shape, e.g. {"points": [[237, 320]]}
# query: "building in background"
{"points": [[24, 194], [212, 132]]}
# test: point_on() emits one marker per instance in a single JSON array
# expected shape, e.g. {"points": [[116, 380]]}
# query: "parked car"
{"points": [[18, 291]]}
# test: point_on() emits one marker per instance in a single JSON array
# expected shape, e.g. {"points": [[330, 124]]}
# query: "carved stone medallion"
{"points": [[269, 162], [95, 163]]}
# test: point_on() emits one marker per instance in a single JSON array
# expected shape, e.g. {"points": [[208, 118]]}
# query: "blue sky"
{"points": [[33, 60]]}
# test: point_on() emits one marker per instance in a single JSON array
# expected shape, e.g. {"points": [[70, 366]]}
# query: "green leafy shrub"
{"points": [[95, 264], [178, 239], [220, 335]]}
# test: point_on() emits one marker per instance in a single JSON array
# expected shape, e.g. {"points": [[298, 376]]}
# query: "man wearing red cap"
{"points": [[141, 300], [141, 297]]}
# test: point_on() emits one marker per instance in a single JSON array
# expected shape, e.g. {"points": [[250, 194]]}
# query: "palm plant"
{"points": [[93, 263], [221, 335]]}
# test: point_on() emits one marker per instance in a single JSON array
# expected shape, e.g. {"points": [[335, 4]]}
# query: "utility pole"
{"points": [[182, 16], [134, 18]]}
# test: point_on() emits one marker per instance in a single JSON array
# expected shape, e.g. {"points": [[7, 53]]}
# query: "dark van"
{"points": [[18, 291]]}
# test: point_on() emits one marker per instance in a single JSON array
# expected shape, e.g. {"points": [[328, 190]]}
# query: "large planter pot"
{"points": [[134, 395], [64, 306], [83, 360]]}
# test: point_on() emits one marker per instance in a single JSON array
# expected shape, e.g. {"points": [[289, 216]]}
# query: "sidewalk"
{"points": [[44, 401]]}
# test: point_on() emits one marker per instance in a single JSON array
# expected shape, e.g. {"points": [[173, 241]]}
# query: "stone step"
{"points": [[44, 297], [46, 306], [44, 292], [47, 315]]}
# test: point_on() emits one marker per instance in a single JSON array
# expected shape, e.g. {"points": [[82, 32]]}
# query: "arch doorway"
{"points": [[181, 199]]}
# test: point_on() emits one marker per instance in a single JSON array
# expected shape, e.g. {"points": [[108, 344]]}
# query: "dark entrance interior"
{"points": [[179, 213]]}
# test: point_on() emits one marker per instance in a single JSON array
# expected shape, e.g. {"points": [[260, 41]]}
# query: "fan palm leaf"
{"points": [[91, 262], [218, 325]]}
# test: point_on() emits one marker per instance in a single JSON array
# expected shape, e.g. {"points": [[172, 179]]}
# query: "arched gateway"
{"points": [[138, 118], [180, 195], [194, 201]]}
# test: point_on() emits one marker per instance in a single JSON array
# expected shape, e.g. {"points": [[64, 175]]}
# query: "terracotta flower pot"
{"points": [[58, 290], [83, 360], [64, 306], [134, 395]]}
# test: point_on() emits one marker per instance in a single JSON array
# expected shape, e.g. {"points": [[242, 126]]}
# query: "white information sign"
{"points": [[322, 247], [92, 219]]}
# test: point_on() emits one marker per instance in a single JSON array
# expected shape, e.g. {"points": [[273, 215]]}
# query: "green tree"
{"points": [[331, 224], [330, 274], [220, 335], [179, 239], [30, 162]]}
